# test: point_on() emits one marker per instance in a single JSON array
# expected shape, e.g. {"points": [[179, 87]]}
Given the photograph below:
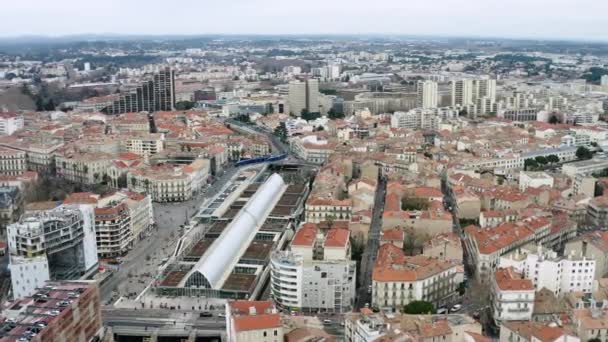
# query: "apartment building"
{"points": [[312, 148], [597, 212], [39, 153], [143, 144], [253, 321], [168, 183], [10, 123], [52, 244], [318, 209], [121, 219], [511, 296], [529, 179], [130, 122], [316, 274], [485, 246], [427, 94], [81, 167], [559, 274], [535, 332], [593, 246], [12, 162], [590, 323], [584, 167], [155, 94], [367, 326], [398, 279], [418, 118], [57, 311]]}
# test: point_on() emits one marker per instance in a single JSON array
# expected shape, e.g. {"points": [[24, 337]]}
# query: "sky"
{"points": [[554, 19]]}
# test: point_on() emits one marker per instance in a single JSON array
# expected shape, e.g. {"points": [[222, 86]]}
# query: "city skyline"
{"points": [[539, 20]]}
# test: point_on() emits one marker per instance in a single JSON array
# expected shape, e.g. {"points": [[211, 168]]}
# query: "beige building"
{"points": [[590, 324], [85, 168], [144, 144], [535, 332], [320, 209], [12, 162], [167, 183], [398, 279]]}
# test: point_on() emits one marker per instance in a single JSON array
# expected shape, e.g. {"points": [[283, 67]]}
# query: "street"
{"points": [[140, 266], [371, 250]]}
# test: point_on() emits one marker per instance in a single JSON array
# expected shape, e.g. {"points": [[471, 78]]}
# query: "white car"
{"points": [[456, 308], [442, 311]]}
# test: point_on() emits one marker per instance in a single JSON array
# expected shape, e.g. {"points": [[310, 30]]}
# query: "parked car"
{"points": [[442, 310], [205, 314]]}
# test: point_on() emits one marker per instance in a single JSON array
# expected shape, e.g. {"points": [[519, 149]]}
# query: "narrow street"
{"points": [[371, 249]]}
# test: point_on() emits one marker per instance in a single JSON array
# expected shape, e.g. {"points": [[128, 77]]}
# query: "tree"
{"points": [[419, 307], [281, 132], [413, 203], [332, 114], [184, 105], [553, 119], [541, 160], [595, 340], [530, 164], [583, 153], [306, 115], [552, 159]]}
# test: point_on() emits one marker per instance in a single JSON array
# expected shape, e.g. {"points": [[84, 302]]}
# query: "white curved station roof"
{"points": [[219, 260]]}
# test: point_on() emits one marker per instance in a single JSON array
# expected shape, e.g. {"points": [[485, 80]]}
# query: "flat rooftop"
{"points": [[199, 248], [240, 282], [258, 250], [173, 278]]}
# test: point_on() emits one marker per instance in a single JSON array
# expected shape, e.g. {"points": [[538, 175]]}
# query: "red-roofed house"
{"points": [[512, 296], [252, 321]]}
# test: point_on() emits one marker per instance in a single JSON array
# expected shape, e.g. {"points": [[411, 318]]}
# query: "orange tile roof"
{"points": [[256, 322], [305, 236], [81, 198], [439, 328], [242, 306], [393, 235], [393, 265], [427, 192], [509, 280], [337, 237]]}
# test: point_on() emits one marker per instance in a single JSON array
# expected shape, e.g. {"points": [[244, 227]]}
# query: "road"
{"points": [[371, 250], [141, 264]]}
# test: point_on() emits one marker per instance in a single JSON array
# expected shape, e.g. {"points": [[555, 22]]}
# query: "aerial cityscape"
{"points": [[309, 186]]}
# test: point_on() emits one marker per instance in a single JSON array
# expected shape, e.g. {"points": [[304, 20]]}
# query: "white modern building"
{"points": [[416, 119], [55, 244], [304, 96], [317, 274], [512, 296], [10, 123], [529, 179], [427, 94], [546, 269]]}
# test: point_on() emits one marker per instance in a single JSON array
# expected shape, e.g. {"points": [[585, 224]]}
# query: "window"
{"points": [[265, 334], [276, 333]]}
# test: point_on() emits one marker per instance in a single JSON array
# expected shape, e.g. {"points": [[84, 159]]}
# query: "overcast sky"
{"points": [[560, 19]]}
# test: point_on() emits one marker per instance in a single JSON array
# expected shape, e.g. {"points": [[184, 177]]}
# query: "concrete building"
{"points": [[53, 244], [585, 167], [398, 279], [10, 123], [469, 91], [593, 246], [145, 144], [253, 321], [317, 274], [548, 270], [56, 311], [304, 96], [155, 94], [415, 119], [427, 94], [534, 180], [597, 212], [511, 296]]}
